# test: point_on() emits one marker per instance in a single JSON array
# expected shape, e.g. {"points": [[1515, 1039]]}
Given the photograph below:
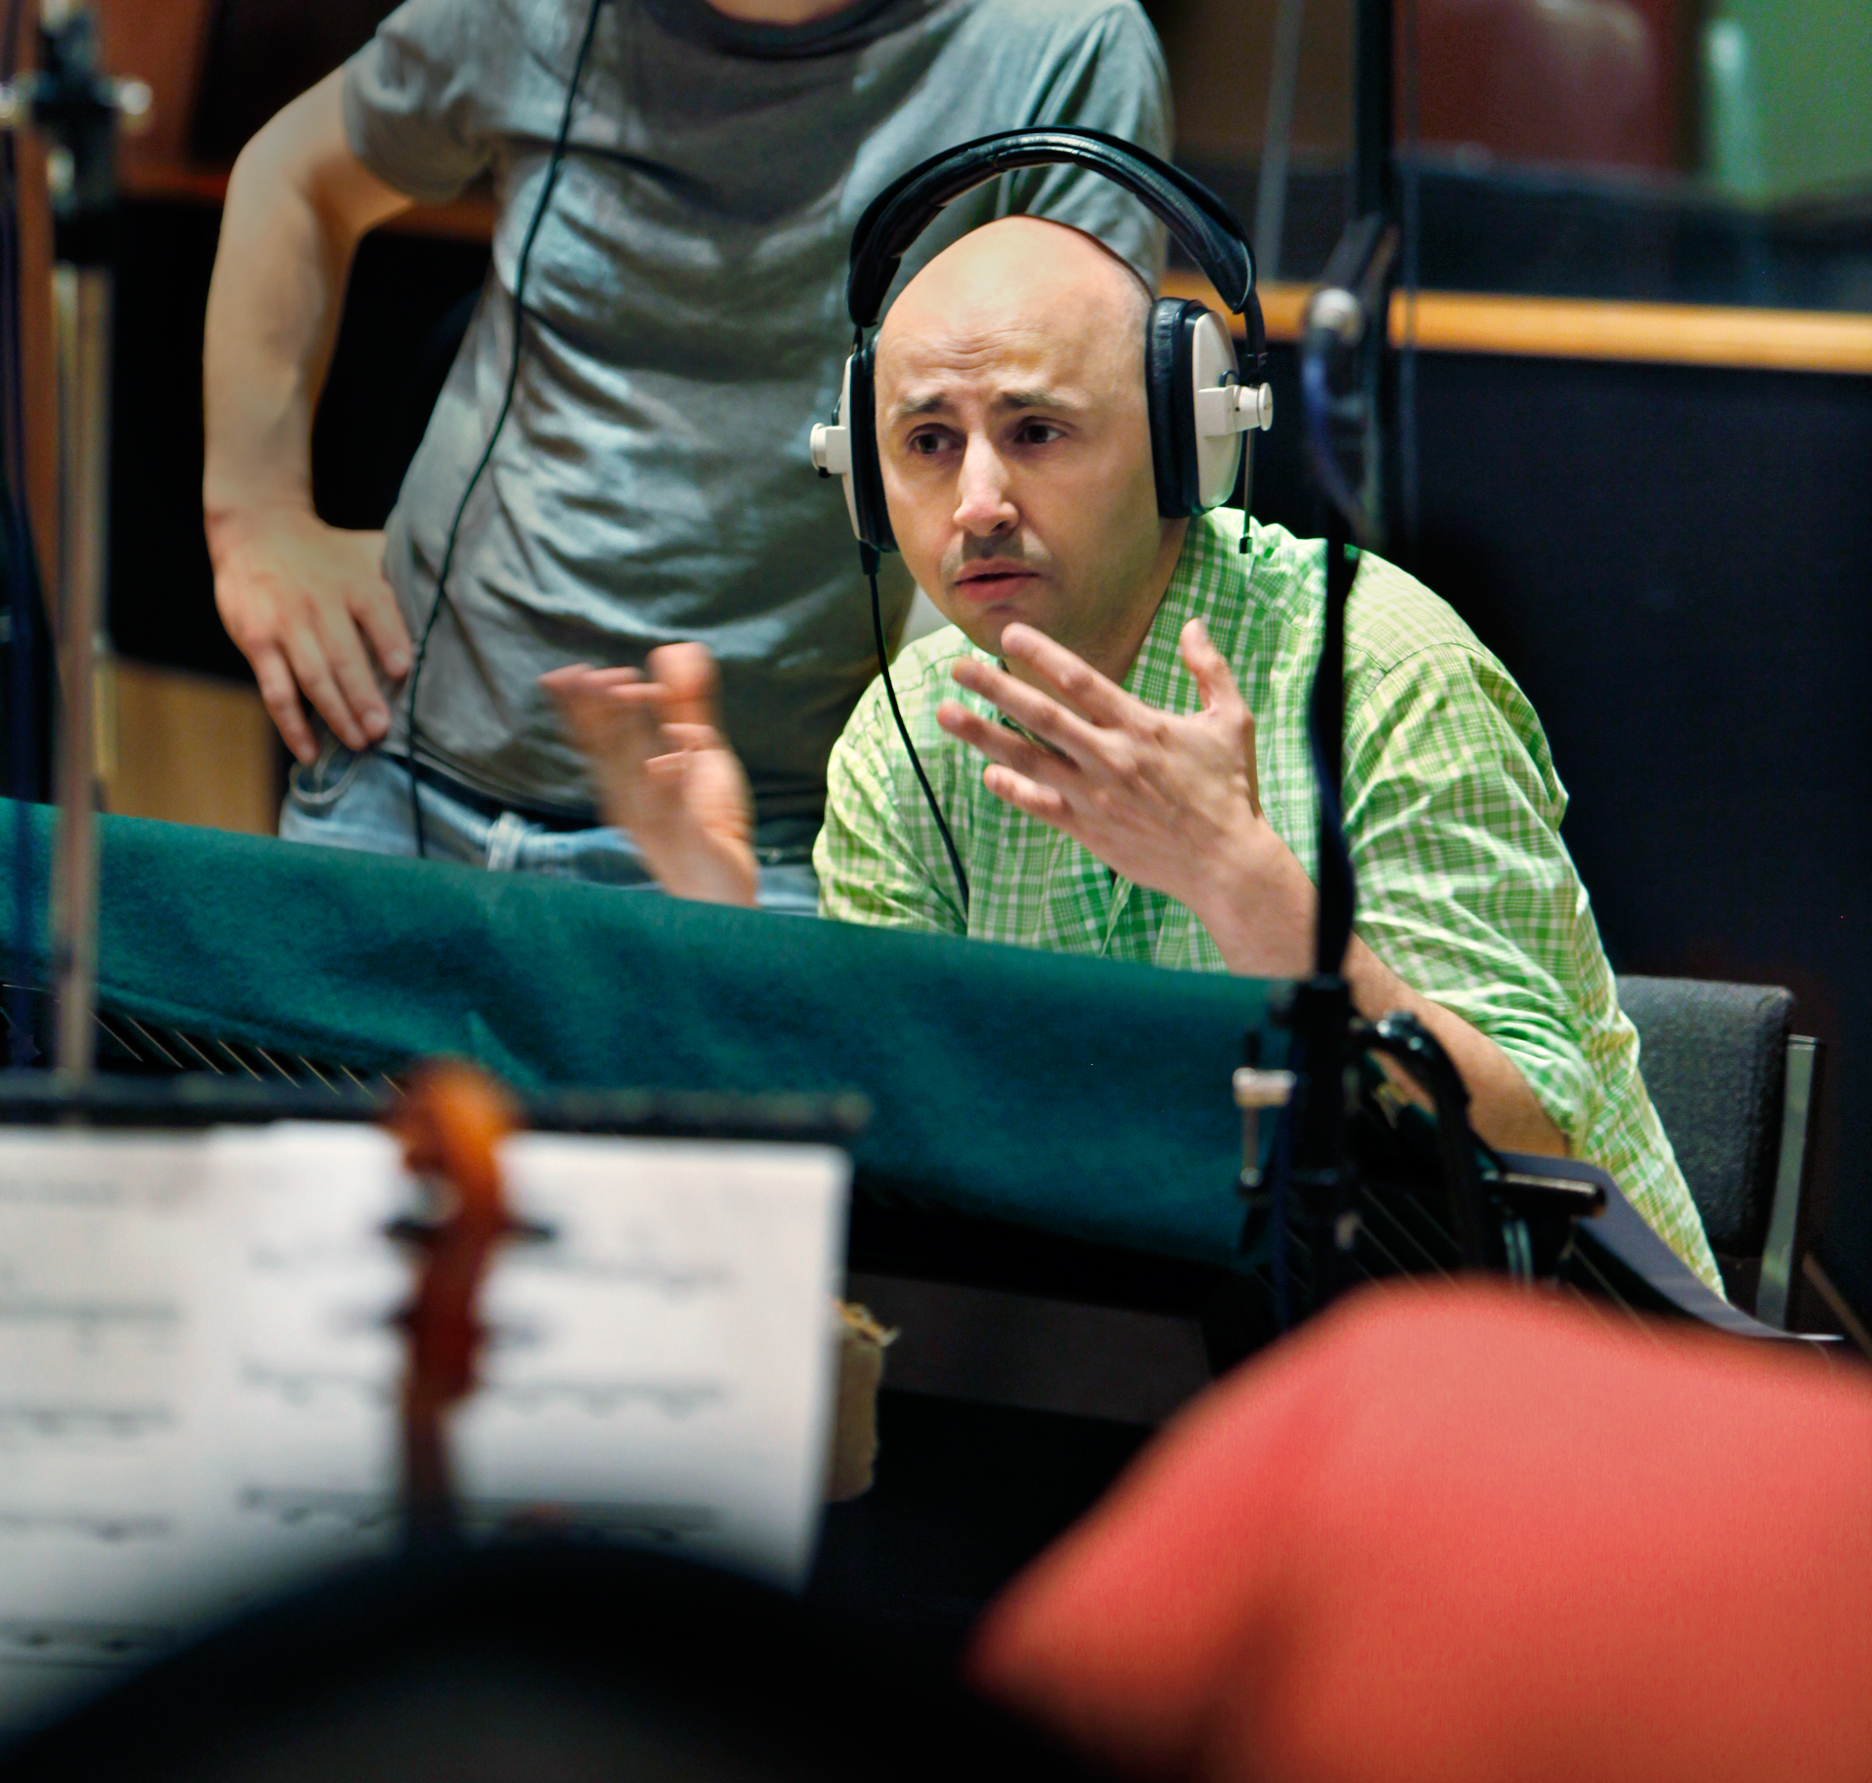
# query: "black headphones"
{"points": [[1199, 406]]}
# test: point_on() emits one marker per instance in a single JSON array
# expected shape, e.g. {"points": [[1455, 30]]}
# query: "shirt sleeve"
{"points": [[1109, 77], [416, 98], [873, 862], [1465, 889]]}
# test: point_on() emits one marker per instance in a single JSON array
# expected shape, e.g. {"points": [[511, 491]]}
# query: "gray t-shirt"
{"points": [[685, 326]]}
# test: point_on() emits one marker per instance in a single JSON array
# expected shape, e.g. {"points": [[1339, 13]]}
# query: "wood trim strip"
{"points": [[1589, 328]]}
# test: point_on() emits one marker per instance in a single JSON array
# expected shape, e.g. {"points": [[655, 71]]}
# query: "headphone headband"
{"points": [[1202, 224]]}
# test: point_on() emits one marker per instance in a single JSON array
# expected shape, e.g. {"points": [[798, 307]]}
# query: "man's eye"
{"points": [[926, 445], [1037, 433]]}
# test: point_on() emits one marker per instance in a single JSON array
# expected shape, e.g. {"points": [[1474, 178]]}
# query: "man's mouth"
{"points": [[987, 580]]}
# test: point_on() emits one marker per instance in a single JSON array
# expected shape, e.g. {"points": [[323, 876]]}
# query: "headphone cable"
{"points": [[869, 556], [553, 164]]}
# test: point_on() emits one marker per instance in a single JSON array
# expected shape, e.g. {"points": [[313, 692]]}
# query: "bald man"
{"points": [[1114, 725]]}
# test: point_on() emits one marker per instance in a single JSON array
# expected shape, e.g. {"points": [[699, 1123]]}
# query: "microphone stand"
{"points": [[1342, 342], [77, 110], [1315, 1184]]}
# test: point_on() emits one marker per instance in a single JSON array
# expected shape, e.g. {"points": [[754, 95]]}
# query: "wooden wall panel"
{"points": [[161, 42], [192, 749]]}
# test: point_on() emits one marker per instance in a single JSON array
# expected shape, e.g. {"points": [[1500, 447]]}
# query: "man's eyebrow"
{"points": [[1033, 399], [935, 402]]}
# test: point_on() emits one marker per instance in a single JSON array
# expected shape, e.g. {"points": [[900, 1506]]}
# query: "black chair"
{"points": [[1736, 1090]]}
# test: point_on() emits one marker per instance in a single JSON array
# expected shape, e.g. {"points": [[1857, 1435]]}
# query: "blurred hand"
{"points": [[308, 607], [665, 774]]}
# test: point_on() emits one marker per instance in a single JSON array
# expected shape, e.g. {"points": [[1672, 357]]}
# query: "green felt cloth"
{"points": [[1073, 1095]]}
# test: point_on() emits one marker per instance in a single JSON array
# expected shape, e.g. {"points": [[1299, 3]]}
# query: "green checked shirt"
{"points": [[1453, 811]]}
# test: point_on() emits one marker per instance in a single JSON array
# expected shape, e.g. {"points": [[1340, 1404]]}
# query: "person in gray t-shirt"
{"points": [[684, 324]]}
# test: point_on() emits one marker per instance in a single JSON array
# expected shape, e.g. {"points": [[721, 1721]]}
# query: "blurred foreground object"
{"points": [[552, 1662], [451, 1123], [207, 1330], [1466, 1534], [853, 1457]]}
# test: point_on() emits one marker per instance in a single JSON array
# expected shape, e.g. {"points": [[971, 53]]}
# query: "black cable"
{"points": [[553, 164], [1337, 893], [870, 560]]}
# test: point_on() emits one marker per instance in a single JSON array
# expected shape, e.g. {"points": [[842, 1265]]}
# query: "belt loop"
{"points": [[505, 841]]}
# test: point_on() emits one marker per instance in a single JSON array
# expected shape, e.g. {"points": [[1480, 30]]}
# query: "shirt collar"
{"points": [[1210, 582]]}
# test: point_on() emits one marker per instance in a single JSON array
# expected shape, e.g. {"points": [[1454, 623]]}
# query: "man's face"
{"points": [[1016, 459]]}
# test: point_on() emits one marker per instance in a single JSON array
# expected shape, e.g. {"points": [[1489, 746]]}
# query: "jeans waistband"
{"points": [[486, 805], [776, 840]]}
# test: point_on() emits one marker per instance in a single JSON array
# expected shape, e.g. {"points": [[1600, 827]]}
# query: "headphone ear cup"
{"points": [[1170, 399], [869, 509], [1217, 456]]}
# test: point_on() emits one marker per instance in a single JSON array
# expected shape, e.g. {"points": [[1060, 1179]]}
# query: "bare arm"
{"points": [[1173, 803], [298, 597]]}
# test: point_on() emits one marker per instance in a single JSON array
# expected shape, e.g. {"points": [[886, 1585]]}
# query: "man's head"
{"points": [[1015, 442]]}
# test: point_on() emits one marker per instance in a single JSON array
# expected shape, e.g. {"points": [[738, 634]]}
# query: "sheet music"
{"points": [[199, 1368]]}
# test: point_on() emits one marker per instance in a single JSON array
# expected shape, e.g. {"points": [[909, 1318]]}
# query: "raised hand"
{"points": [[1170, 802], [308, 607], [665, 774]]}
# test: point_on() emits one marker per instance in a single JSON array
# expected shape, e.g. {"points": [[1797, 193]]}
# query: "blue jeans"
{"points": [[346, 800]]}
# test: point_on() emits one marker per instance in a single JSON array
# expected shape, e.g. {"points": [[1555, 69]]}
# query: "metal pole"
{"points": [[1277, 145], [82, 317], [76, 109]]}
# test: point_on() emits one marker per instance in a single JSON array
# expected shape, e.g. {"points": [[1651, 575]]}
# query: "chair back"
{"points": [[1714, 1058]]}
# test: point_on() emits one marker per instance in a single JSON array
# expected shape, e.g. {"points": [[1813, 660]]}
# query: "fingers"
{"points": [[1002, 745], [281, 694], [586, 694], [612, 713], [357, 686], [1215, 680], [1043, 802], [1222, 696], [370, 601], [384, 628], [573, 694], [1083, 689], [312, 669], [579, 680], [692, 739], [1045, 718], [310, 608], [688, 674]]}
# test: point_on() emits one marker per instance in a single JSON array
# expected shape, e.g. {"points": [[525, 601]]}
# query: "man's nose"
{"points": [[984, 505]]}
